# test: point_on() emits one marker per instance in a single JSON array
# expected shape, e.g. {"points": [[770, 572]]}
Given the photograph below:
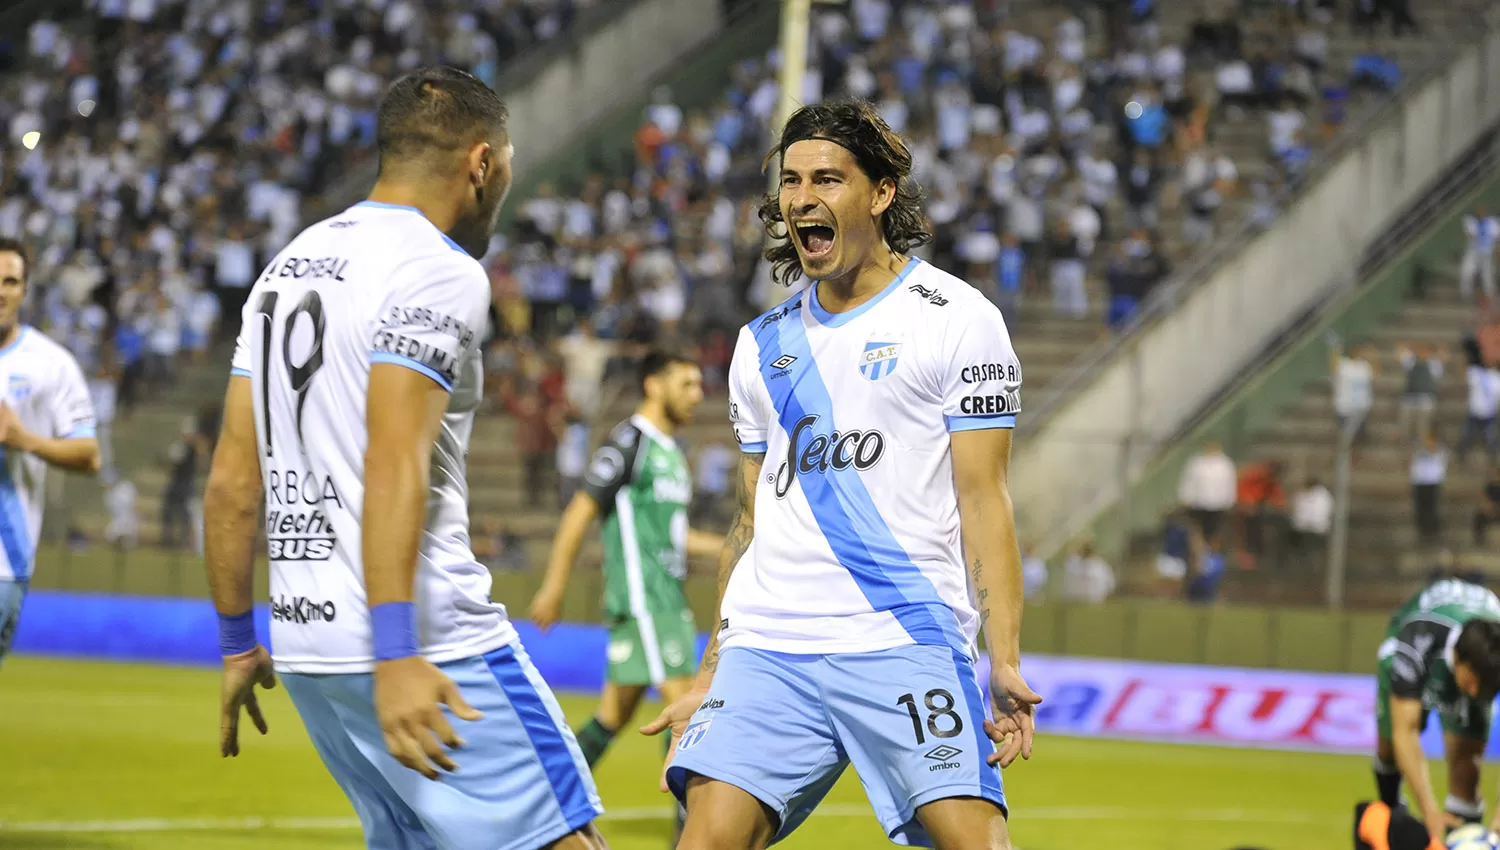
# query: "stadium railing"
{"points": [[1427, 236], [1092, 433]]}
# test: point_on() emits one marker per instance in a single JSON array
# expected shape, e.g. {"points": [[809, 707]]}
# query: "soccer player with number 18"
{"points": [[875, 535]]}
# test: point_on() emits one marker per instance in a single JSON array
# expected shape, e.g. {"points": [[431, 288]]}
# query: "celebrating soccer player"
{"points": [[355, 382], [1441, 650], [46, 419], [875, 535]]}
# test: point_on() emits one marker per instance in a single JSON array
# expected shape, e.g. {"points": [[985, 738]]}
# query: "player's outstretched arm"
{"points": [[1407, 719], [981, 465], [741, 532], [231, 509], [576, 519], [404, 412]]}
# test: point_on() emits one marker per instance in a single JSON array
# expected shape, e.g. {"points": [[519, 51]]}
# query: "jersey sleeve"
{"points": [[72, 412], [433, 317], [746, 410], [240, 363], [612, 466], [979, 376], [1408, 667]]}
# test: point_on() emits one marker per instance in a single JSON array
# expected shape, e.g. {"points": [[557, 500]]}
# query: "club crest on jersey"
{"points": [[879, 359], [20, 388]]}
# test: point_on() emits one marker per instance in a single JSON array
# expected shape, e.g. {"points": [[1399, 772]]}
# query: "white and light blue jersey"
{"points": [[857, 543], [42, 382], [1483, 232], [375, 284]]}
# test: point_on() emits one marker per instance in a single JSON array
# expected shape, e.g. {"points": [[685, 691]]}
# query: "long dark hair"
{"points": [[858, 128]]}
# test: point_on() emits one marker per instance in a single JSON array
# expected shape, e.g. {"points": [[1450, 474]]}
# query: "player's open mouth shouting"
{"points": [[817, 238]]}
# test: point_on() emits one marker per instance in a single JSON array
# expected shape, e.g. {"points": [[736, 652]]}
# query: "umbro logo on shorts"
{"points": [[943, 753]]}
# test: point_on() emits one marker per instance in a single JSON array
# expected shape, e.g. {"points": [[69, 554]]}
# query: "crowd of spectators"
{"points": [[1068, 151], [159, 152]]}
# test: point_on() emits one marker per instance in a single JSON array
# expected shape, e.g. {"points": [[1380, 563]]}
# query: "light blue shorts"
{"points": [[521, 783], [12, 594], [783, 727]]}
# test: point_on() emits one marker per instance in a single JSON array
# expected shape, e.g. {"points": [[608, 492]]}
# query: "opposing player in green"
{"points": [[1441, 651], [639, 483]]}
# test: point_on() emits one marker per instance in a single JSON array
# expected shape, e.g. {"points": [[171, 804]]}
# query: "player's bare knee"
{"points": [[710, 833], [587, 838], [723, 817]]}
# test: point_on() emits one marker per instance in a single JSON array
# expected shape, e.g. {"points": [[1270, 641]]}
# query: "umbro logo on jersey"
{"points": [[783, 361]]}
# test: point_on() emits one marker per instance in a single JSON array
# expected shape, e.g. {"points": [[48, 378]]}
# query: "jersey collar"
{"points": [[15, 343], [382, 205], [834, 320], [650, 429]]}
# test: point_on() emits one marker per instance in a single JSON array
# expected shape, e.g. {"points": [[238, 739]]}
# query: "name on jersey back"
{"points": [[298, 268]]}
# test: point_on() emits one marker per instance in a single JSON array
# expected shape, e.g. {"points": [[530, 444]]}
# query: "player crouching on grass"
{"points": [[1441, 650]]}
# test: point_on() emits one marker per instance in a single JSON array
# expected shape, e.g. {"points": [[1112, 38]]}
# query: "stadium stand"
{"points": [[1033, 104], [1021, 124]]}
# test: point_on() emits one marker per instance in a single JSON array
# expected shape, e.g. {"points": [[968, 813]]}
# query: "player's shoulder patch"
{"points": [[626, 435], [789, 307]]}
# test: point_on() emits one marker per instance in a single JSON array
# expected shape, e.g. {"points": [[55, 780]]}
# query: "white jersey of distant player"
{"points": [[375, 284], [856, 544], [40, 381]]}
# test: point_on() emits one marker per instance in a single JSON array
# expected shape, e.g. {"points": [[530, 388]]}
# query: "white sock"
{"points": [[1464, 808]]}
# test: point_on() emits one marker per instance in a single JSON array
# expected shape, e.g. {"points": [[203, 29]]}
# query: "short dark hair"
{"points": [[1479, 647], [9, 245], [657, 361], [881, 153], [436, 110]]}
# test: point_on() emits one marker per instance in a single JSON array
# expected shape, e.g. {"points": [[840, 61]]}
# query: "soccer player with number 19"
{"points": [[875, 536], [355, 383]]}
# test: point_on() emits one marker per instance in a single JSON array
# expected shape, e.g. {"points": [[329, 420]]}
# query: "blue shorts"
{"points": [[12, 594], [783, 727], [521, 783]]}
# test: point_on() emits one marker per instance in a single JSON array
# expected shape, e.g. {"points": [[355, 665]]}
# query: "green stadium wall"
{"points": [[1256, 404]]}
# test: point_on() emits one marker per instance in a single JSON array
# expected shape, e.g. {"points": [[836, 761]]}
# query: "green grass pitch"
{"points": [[109, 756]]}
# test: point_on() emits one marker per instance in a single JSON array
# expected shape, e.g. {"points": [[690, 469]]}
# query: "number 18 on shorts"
{"points": [[783, 728]]}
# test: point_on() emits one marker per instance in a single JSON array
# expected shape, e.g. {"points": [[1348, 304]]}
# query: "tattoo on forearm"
{"points": [[736, 542], [981, 595]]}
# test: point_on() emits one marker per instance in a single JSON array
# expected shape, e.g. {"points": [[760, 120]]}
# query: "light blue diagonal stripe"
{"points": [[15, 533], [843, 507]]}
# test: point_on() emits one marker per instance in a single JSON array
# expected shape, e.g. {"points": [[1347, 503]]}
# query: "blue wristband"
{"points": [[237, 633], [394, 625]]}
